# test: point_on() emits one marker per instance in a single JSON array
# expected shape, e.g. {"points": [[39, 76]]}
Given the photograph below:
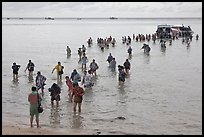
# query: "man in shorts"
{"points": [[33, 99], [30, 68], [15, 68]]}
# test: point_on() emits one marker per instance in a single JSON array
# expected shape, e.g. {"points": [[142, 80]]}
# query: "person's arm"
{"points": [[36, 79], [90, 65], [26, 68], [39, 97], [53, 69], [57, 94], [67, 83], [83, 80], [72, 94], [44, 79], [82, 92], [28, 98], [97, 66]]}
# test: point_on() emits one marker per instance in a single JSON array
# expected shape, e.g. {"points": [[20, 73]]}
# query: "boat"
{"points": [[182, 30], [49, 18], [113, 18], [167, 30]]}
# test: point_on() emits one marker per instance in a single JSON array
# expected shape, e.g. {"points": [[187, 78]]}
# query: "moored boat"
{"points": [[167, 31]]}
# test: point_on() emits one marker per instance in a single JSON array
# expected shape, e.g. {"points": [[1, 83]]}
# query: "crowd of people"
{"points": [[75, 91]]}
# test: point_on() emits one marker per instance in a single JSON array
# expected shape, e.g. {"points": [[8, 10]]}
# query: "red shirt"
{"points": [[33, 99], [78, 91]]}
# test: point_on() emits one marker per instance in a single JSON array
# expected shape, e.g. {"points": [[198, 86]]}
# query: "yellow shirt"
{"points": [[58, 67]]}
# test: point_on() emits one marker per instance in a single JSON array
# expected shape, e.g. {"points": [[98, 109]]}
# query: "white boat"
{"points": [[182, 30], [165, 30]]}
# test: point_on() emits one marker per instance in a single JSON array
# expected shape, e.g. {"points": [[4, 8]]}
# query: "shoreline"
{"points": [[12, 129]]}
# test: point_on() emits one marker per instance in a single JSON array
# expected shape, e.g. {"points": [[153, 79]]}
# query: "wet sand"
{"points": [[11, 129]]}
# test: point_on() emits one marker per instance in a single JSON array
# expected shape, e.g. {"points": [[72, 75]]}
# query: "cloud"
{"points": [[102, 9]]}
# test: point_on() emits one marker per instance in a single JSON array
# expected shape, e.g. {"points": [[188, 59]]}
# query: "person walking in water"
{"points": [[34, 99], [84, 60], [127, 66], [68, 51], [197, 37], [15, 68], [78, 93], [30, 68], [70, 87], [55, 91], [59, 68], [93, 67], [87, 79], [110, 58], [83, 49], [113, 65], [122, 75], [75, 76], [130, 51], [40, 81], [80, 53]]}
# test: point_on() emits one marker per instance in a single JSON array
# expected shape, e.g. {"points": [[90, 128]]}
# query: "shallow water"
{"points": [[162, 95]]}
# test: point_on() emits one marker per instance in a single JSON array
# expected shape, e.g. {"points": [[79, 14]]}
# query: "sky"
{"points": [[102, 9]]}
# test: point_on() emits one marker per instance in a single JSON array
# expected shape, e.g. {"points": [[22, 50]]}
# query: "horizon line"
{"points": [[112, 17]]}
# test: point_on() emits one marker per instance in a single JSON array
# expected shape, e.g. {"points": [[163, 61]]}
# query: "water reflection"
{"points": [[130, 56], [15, 84], [77, 120], [147, 58], [188, 48], [59, 82], [163, 50], [122, 97], [30, 79], [68, 56], [54, 116], [121, 87]]}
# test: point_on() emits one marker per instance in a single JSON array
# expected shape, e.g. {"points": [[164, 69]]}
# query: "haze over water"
{"points": [[162, 95]]}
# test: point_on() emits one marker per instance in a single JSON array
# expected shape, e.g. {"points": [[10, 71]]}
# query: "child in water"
{"points": [[70, 87]]}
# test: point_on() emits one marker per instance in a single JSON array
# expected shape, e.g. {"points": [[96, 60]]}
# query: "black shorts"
{"points": [[31, 69], [122, 79], [55, 98], [15, 72]]}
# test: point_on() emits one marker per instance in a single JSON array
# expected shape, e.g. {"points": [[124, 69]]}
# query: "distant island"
{"points": [[112, 18], [49, 18]]}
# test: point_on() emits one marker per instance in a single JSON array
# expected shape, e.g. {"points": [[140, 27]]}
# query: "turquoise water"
{"points": [[162, 95]]}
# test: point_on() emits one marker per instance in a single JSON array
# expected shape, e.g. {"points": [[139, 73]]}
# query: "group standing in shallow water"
{"points": [[76, 92]]}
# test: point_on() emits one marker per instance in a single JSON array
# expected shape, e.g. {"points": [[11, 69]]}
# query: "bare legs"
{"points": [[70, 96], [79, 106], [15, 77], [83, 67], [59, 77], [37, 121], [57, 102], [31, 121], [127, 71]]}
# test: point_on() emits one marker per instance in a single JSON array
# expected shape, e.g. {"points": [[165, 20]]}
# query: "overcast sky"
{"points": [[102, 9]]}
